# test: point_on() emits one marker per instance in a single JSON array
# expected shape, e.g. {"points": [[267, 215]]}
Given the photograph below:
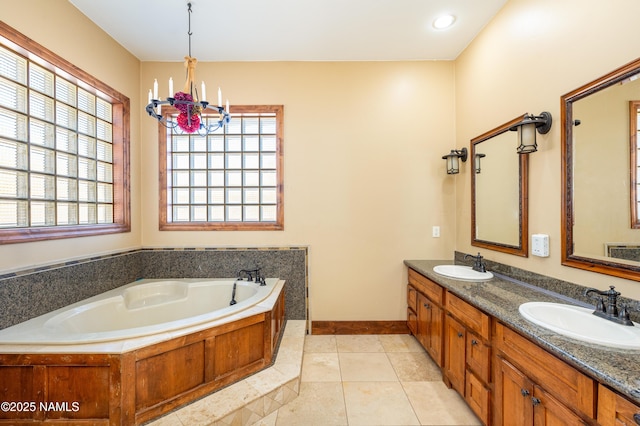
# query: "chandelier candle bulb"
{"points": [[204, 92], [227, 105], [219, 97], [150, 96], [155, 88], [171, 87]]}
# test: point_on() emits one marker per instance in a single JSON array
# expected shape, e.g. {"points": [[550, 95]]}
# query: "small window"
{"points": [[63, 145], [230, 179]]}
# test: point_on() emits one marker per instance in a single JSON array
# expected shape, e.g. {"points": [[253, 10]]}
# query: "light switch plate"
{"points": [[540, 245]]}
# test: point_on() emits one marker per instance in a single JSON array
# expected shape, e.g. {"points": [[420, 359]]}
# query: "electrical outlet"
{"points": [[540, 245], [435, 232]]}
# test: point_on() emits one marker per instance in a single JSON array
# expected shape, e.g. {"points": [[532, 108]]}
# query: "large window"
{"points": [[228, 180], [63, 147]]}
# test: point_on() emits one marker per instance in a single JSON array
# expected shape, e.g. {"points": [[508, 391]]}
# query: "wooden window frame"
{"points": [[120, 142], [634, 148], [277, 225]]}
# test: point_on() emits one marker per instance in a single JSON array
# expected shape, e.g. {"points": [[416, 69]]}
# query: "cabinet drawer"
{"points": [[564, 382], [412, 298], [478, 357], [477, 396], [412, 321], [474, 319], [615, 410], [430, 289]]}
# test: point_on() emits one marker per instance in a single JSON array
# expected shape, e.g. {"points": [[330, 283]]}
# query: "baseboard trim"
{"points": [[359, 327]]}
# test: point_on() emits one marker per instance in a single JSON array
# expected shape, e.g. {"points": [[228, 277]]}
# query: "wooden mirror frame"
{"points": [[522, 249], [608, 267]]}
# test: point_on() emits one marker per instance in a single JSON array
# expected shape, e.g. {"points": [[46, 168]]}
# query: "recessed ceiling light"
{"points": [[444, 21]]}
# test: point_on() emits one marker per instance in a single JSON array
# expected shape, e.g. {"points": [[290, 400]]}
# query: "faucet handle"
{"points": [[623, 315]]}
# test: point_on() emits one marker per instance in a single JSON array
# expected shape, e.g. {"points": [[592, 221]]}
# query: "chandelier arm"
{"points": [[224, 116]]}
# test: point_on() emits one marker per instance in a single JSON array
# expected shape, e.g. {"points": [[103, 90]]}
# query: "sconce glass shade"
{"points": [[527, 131], [453, 163], [477, 162], [527, 139]]}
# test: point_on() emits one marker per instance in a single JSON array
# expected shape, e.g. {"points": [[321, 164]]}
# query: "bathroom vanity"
{"points": [[506, 367]]}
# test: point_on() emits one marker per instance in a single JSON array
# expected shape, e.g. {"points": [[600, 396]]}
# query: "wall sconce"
{"points": [[527, 131], [453, 165], [477, 162]]}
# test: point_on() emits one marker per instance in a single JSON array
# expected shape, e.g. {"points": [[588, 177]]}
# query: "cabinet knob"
{"points": [[459, 334], [636, 417], [524, 392], [428, 306], [474, 342], [535, 401]]}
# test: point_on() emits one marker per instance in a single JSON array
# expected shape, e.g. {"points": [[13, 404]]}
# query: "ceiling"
{"points": [[290, 30]]}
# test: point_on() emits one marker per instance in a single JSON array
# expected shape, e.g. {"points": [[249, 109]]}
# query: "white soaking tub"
{"points": [[141, 308]]}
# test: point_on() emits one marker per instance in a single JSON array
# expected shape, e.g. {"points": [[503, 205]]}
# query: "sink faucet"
{"points": [[478, 264], [609, 310]]}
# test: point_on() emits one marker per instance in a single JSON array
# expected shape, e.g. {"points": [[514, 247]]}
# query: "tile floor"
{"points": [[370, 380]]}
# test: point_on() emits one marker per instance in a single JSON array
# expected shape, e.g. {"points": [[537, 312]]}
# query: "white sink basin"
{"points": [[461, 272], [580, 324]]}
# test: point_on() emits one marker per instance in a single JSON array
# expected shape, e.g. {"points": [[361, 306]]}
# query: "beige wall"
{"points": [[364, 178], [531, 54], [61, 28]]}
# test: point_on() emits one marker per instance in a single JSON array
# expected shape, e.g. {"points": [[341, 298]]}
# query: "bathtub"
{"points": [[134, 353], [141, 308]]}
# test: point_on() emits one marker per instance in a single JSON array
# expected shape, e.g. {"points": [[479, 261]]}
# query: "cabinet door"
{"points": [[435, 334], [478, 356], [454, 353], [547, 411], [512, 396], [424, 320], [430, 327], [614, 410]]}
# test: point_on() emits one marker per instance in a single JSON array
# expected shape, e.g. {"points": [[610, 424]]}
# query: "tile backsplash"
{"points": [[29, 293]]}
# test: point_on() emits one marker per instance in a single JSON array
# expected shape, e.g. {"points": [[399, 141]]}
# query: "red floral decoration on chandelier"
{"points": [[189, 117], [181, 96], [188, 124]]}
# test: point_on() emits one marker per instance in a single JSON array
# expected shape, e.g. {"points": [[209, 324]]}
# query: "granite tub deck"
{"points": [[249, 400], [500, 297]]}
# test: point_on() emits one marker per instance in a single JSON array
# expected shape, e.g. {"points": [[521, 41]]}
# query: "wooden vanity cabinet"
{"points": [[615, 410], [428, 313], [467, 354], [533, 387]]}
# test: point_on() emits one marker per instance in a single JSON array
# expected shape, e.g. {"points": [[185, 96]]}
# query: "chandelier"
{"points": [[187, 101]]}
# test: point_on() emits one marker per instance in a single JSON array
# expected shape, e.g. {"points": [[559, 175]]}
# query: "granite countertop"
{"points": [[500, 297]]}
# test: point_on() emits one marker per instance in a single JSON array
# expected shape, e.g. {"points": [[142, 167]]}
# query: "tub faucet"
{"points": [[251, 274], [478, 264], [609, 310]]}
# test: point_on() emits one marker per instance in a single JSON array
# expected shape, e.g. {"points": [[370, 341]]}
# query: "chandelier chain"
{"points": [[189, 33]]}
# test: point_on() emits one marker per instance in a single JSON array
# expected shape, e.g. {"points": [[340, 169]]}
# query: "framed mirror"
{"points": [[601, 174], [499, 211]]}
